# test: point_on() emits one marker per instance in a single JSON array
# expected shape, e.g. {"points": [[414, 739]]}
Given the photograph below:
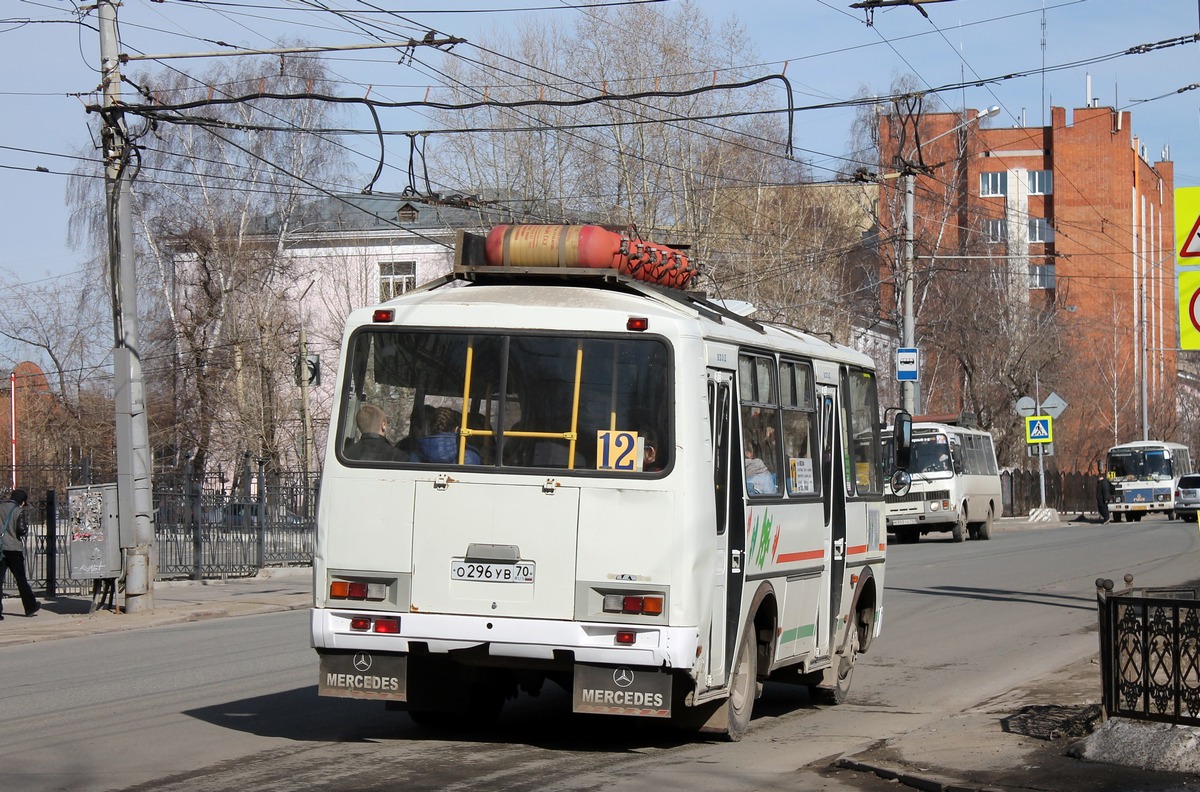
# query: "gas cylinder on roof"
{"points": [[587, 246], [554, 246]]}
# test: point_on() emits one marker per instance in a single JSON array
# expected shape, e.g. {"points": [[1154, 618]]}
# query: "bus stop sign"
{"points": [[908, 364]]}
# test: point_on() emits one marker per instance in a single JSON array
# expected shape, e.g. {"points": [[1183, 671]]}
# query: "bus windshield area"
{"points": [[930, 454], [1150, 465], [506, 400]]}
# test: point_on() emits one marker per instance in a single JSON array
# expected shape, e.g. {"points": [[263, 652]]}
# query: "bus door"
{"points": [[833, 497], [730, 539]]}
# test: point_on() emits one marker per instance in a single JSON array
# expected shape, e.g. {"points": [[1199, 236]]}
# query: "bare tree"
{"points": [[650, 161], [216, 198]]}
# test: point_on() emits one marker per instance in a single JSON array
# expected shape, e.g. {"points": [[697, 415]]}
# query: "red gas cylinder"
{"points": [[588, 246], [553, 246]]}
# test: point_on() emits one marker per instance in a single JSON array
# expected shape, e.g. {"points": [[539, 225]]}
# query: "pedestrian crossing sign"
{"points": [[1039, 429]]}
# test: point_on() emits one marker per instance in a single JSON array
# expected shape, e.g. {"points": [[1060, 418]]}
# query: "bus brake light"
{"points": [[391, 626], [383, 315]]}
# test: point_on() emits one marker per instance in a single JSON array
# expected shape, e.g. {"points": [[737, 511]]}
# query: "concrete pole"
{"points": [[134, 497], [911, 395], [305, 410]]}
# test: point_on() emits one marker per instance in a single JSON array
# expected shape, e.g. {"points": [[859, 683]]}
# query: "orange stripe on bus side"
{"points": [[856, 550], [807, 555]]}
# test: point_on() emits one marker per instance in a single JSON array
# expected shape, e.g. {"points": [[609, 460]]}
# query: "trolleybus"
{"points": [[1143, 475], [547, 469]]}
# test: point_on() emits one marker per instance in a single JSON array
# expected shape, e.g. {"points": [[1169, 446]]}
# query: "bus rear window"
{"points": [[512, 401]]}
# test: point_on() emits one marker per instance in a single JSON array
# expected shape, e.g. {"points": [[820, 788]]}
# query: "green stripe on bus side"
{"points": [[796, 633]]}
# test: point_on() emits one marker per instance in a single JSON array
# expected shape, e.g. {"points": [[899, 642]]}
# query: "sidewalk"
{"points": [[175, 602]]}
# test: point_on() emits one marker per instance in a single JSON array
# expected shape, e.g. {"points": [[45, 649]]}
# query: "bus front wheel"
{"points": [[960, 527], [743, 688], [835, 688]]}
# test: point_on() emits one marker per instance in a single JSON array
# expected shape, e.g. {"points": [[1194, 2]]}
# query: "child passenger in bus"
{"points": [[759, 478], [441, 445]]}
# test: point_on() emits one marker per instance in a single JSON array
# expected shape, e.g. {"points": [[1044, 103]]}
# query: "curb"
{"points": [[926, 783]]}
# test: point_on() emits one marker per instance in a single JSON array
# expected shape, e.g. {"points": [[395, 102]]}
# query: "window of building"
{"points": [[395, 278], [1041, 276], [1041, 182], [995, 231], [1040, 230], [992, 184]]}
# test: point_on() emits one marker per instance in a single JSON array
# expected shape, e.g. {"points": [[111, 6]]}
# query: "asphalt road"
{"points": [[230, 704]]}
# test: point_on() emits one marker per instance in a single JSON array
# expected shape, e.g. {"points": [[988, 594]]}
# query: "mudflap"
{"points": [[621, 690], [363, 675]]}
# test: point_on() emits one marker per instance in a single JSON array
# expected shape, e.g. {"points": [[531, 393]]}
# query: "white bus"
{"points": [[955, 483], [563, 495], [1143, 475]]}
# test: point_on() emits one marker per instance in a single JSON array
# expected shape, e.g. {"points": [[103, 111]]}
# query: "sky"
{"points": [[1022, 55]]}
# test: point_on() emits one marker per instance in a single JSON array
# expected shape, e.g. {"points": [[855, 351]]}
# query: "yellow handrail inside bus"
{"points": [[463, 431]]}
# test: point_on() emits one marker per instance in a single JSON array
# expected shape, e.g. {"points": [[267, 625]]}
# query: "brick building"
{"points": [[1068, 225]]}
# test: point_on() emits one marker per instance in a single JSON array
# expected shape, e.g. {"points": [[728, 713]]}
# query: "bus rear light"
{"points": [[626, 637], [383, 315], [360, 623], [391, 626], [645, 604], [637, 323], [357, 590]]}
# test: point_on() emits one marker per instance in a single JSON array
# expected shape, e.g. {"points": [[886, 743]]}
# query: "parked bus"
{"points": [[1143, 475], [619, 487], [955, 483]]}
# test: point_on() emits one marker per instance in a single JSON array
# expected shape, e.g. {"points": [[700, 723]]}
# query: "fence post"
{"points": [[261, 506], [51, 545], [191, 496]]}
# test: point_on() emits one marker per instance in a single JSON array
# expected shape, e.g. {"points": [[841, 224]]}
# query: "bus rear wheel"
{"points": [[983, 530]]}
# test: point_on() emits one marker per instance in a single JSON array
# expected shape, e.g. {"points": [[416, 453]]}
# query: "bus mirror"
{"points": [[902, 440], [900, 482]]}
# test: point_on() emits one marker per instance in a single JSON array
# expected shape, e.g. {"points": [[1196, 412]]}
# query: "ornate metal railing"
{"points": [[1150, 652]]}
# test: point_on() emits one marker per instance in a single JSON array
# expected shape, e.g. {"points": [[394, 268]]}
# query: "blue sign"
{"points": [[1039, 429], [908, 364]]}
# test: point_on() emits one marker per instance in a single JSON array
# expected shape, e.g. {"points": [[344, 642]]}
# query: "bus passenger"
{"points": [[441, 445], [759, 478], [372, 443]]}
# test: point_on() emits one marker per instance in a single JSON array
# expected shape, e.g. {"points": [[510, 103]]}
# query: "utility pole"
{"points": [[909, 340], [134, 501]]}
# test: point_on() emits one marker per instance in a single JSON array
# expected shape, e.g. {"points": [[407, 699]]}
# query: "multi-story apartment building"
{"points": [[1064, 233]]}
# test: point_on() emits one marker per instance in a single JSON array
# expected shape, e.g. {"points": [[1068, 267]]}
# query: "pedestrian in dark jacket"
{"points": [[12, 543], [1103, 491]]}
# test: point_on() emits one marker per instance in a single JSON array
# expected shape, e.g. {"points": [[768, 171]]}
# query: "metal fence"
{"points": [[203, 530], [1150, 652], [1065, 492]]}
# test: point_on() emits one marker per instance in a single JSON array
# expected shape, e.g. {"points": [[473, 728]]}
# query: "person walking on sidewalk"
{"points": [[12, 542], [1103, 491]]}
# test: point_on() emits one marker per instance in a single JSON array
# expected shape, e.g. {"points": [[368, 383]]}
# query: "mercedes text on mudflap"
{"points": [[557, 464]]}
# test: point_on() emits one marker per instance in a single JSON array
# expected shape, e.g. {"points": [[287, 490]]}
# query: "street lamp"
{"points": [[911, 388]]}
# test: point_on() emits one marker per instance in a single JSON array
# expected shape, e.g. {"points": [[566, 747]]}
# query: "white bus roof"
{"points": [[587, 304]]}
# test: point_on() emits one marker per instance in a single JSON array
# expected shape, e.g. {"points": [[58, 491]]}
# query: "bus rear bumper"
{"points": [[516, 639]]}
